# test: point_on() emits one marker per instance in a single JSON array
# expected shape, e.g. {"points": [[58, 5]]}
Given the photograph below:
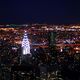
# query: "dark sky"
{"points": [[40, 11]]}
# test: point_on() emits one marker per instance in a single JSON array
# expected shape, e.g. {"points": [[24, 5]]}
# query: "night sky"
{"points": [[40, 11]]}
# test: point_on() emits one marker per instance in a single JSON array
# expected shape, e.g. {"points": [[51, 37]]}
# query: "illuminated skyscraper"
{"points": [[26, 55], [25, 45]]}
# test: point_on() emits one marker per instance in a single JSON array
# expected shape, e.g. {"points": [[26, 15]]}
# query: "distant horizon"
{"points": [[39, 23], [68, 22]]}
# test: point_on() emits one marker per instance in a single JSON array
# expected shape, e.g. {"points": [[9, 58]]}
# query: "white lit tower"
{"points": [[25, 44], [26, 55]]}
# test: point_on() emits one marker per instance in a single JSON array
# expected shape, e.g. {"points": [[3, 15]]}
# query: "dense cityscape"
{"points": [[39, 52]]}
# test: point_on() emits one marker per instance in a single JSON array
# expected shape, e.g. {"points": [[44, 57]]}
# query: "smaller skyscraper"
{"points": [[52, 43], [52, 38]]}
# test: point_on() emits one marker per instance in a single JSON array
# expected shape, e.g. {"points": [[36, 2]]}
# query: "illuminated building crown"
{"points": [[25, 44]]}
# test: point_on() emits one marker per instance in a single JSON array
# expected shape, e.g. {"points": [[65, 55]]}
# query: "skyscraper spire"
{"points": [[25, 44]]}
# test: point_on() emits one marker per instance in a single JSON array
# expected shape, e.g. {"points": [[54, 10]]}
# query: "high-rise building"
{"points": [[25, 45], [52, 41], [26, 55], [52, 38]]}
